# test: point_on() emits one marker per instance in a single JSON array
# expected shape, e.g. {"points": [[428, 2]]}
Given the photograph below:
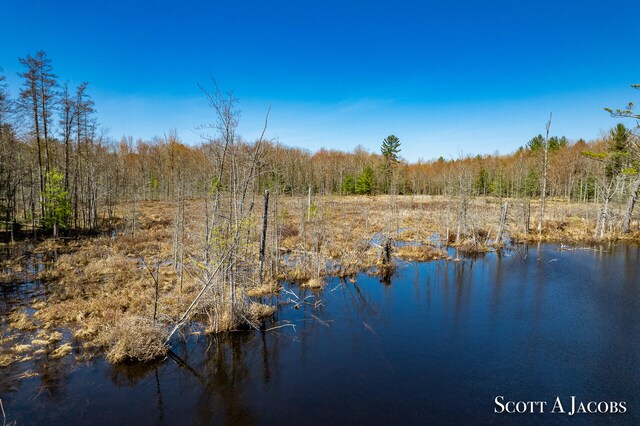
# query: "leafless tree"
{"points": [[545, 170]]}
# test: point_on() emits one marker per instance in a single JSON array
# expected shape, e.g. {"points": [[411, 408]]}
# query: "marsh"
{"points": [[435, 345]]}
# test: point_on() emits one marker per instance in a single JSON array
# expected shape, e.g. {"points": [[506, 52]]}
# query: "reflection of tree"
{"points": [[52, 380], [497, 288], [451, 281], [9, 379], [266, 372], [227, 374], [50, 373], [159, 397], [224, 376], [130, 375], [354, 298], [221, 371], [462, 280]]}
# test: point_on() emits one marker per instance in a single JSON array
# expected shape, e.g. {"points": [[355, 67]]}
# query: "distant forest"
{"points": [[59, 170]]}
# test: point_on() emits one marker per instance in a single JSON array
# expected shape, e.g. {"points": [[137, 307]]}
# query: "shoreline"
{"points": [[99, 286]]}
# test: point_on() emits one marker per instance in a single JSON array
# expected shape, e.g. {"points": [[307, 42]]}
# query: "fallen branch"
{"points": [[186, 314], [281, 326]]}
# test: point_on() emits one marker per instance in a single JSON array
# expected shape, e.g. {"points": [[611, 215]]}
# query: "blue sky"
{"points": [[445, 77]]}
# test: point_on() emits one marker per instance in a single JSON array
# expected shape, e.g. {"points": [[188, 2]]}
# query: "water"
{"points": [[436, 346]]}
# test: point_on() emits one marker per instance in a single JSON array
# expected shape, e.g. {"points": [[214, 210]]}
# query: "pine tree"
{"points": [[348, 185], [390, 149], [56, 205], [365, 184], [619, 144], [634, 190]]}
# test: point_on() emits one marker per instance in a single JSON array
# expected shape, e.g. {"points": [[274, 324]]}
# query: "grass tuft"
{"points": [[136, 339], [61, 351], [314, 284]]}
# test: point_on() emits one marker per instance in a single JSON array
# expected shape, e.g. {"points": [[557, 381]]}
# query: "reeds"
{"points": [[100, 290], [136, 339]]}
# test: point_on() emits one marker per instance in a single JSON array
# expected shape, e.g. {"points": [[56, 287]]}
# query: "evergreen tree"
{"points": [[482, 182], [365, 184], [390, 149], [57, 207], [619, 144], [498, 186], [617, 156], [634, 168], [348, 185], [555, 143], [530, 185], [628, 111], [536, 143]]}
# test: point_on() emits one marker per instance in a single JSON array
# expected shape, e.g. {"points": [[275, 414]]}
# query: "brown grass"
{"points": [[469, 246], [20, 320], [136, 339], [259, 311], [420, 253], [314, 284], [19, 349], [268, 288], [7, 359], [100, 292], [61, 351]]}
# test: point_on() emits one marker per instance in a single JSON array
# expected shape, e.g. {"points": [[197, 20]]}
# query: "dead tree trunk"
{"points": [[133, 219], [387, 267], [155, 275], [605, 213], [503, 221], [309, 206], [543, 193], [526, 216], [386, 252], [633, 197], [263, 241]]}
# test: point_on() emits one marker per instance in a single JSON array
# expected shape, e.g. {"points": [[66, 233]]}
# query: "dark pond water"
{"points": [[435, 346]]}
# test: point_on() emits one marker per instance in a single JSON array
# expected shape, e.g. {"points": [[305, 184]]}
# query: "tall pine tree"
{"points": [[390, 149]]}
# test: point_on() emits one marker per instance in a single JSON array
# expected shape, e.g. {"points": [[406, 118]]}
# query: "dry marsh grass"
{"points": [[20, 320], [260, 311], [100, 290], [19, 349], [7, 359], [420, 253], [314, 284], [61, 351], [269, 288], [136, 339]]}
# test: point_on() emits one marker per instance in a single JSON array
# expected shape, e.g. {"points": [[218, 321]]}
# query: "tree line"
{"points": [[51, 153], [59, 170]]}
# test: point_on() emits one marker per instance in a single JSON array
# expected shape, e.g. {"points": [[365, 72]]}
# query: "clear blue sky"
{"points": [[445, 77]]}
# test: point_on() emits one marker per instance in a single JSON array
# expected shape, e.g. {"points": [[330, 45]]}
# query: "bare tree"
{"points": [[634, 189], [224, 267], [29, 102], [545, 168], [67, 122]]}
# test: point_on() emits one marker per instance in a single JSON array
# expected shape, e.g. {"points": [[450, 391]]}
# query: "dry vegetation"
{"points": [[103, 289], [137, 339], [201, 256]]}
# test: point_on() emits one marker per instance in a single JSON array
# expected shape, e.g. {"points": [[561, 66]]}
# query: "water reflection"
{"points": [[130, 375], [530, 323]]}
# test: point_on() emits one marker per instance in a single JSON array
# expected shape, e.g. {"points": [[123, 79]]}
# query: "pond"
{"points": [[435, 345]]}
